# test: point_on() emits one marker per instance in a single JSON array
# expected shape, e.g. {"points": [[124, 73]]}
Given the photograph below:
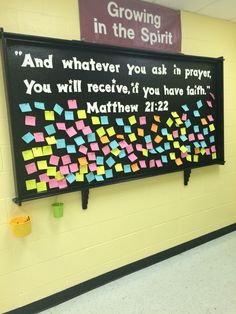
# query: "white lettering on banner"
{"points": [[111, 107], [90, 65]]}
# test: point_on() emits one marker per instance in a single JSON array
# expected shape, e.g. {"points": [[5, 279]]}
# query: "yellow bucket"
{"points": [[21, 226]]}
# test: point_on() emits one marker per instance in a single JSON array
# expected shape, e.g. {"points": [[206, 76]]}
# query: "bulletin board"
{"points": [[84, 115]]}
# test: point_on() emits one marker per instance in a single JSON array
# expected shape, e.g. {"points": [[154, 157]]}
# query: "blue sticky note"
{"points": [[110, 162], [196, 144], [39, 105], [91, 137], [127, 168], [119, 121], [203, 144], [196, 113], [58, 109], [196, 129], [25, 107], [109, 174], [90, 177], [164, 158], [187, 123], [183, 138], [114, 144], [205, 131], [152, 151], [61, 143], [122, 154], [164, 131], [167, 146], [159, 149], [127, 129], [100, 160], [70, 178], [28, 137], [212, 139], [50, 129], [69, 115], [104, 120], [199, 104], [71, 149], [79, 140], [99, 177], [188, 149], [148, 138], [185, 108]]}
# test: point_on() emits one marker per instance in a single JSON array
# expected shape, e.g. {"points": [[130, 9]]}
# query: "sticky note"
{"points": [[111, 131], [72, 104], [170, 137], [71, 131], [70, 178], [100, 160], [83, 149], [81, 114], [106, 150], [187, 123], [158, 139], [27, 155], [209, 103], [71, 149], [59, 176], [74, 167], [175, 134], [93, 167], [49, 115], [69, 115], [79, 140], [159, 149], [51, 140], [204, 121], [30, 185], [142, 120], [91, 137], [200, 136], [178, 162], [50, 129], [183, 131], [210, 118], [94, 146], [183, 149], [25, 107], [51, 171], [62, 184], [183, 138], [149, 145], [54, 160], [47, 150], [123, 144], [82, 161], [53, 183], [120, 136], [114, 144], [185, 107], [80, 125], [109, 173], [30, 120], [66, 159], [87, 130], [31, 168], [178, 121], [199, 104], [28, 137], [101, 131], [142, 163], [42, 164], [169, 122], [205, 131], [167, 146], [39, 105], [157, 118], [145, 152], [164, 159], [132, 137], [39, 137], [132, 120], [196, 113], [174, 114], [191, 137], [58, 109], [212, 139], [79, 177], [122, 154], [154, 127], [211, 127], [176, 144], [129, 148], [164, 131], [104, 120], [90, 177], [64, 170], [91, 156], [148, 138], [115, 151], [127, 168], [61, 126], [184, 117], [189, 158], [37, 151], [195, 158], [172, 156], [132, 157], [83, 168], [100, 170], [140, 132], [119, 167], [119, 121], [95, 120], [127, 129], [135, 167], [159, 163], [110, 162], [61, 143], [203, 144], [99, 178], [104, 139], [41, 186]]}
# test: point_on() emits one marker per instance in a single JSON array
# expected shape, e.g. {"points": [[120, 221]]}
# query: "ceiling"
{"points": [[222, 9]]}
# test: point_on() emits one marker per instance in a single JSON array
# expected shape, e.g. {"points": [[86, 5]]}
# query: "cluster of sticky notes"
{"points": [[72, 147]]}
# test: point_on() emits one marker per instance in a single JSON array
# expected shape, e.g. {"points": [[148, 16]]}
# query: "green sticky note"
{"points": [[47, 150], [27, 155], [30, 184], [37, 151], [41, 186], [42, 164], [81, 114], [169, 122], [52, 171]]}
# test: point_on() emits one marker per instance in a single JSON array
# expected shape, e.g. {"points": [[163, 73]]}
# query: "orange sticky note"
{"points": [[197, 150], [135, 167], [204, 121], [120, 136], [158, 139], [140, 132], [83, 161], [157, 118], [178, 162], [154, 127], [104, 139]]}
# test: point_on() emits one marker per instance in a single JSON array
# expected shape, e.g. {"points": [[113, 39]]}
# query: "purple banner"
{"points": [[132, 23]]}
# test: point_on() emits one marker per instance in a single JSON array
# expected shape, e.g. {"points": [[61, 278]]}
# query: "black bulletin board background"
{"points": [[60, 49]]}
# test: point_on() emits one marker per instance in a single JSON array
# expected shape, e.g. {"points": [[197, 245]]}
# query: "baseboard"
{"points": [[86, 286]]}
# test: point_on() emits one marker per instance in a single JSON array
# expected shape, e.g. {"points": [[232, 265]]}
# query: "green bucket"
{"points": [[57, 209]]}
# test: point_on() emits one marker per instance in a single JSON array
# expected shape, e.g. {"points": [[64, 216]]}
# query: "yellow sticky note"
{"points": [[140, 132], [115, 151], [183, 131], [195, 158], [111, 131], [49, 115], [81, 114], [47, 150], [211, 127], [132, 137], [169, 122], [52, 171], [178, 121], [51, 140], [59, 176], [189, 158], [174, 114], [183, 149], [214, 156], [42, 164], [100, 170], [101, 131], [172, 156], [79, 177], [119, 167], [145, 152], [84, 169], [27, 155], [37, 151], [95, 120], [170, 137], [41, 186], [30, 184], [176, 144], [132, 120]]}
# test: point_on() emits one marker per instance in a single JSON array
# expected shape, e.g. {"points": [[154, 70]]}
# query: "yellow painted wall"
{"points": [[125, 222]]}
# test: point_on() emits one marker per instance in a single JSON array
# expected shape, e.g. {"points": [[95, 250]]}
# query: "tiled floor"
{"points": [[200, 281]]}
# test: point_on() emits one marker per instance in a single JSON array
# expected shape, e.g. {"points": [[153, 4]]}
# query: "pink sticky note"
{"points": [[53, 183], [31, 168], [54, 160], [72, 104], [30, 120], [39, 137], [142, 163], [66, 159], [184, 117], [191, 137], [83, 149], [74, 167], [106, 150], [71, 131], [64, 170], [209, 103], [123, 144], [212, 95], [159, 163], [200, 137], [213, 149], [139, 147], [210, 118], [132, 157], [62, 184], [129, 148], [80, 125], [44, 178], [93, 167], [142, 120], [91, 156], [94, 146], [61, 126], [152, 163], [87, 130], [208, 152], [149, 145], [184, 155], [175, 134]]}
